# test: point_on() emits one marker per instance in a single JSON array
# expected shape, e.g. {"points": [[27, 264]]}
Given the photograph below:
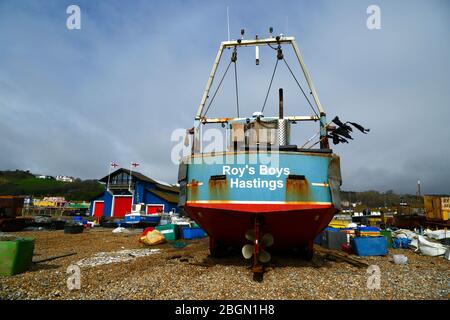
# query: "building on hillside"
{"points": [[42, 176], [65, 178], [121, 193]]}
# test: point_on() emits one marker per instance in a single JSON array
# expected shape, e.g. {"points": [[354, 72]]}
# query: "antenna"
{"points": [[287, 25], [228, 23], [418, 189], [257, 52]]}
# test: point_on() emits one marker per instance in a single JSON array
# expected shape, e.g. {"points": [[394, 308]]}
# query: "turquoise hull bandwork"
{"points": [[249, 179]]}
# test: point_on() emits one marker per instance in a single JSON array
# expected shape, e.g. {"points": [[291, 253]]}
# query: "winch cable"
{"points": [[218, 87], [270, 85], [309, 102]]}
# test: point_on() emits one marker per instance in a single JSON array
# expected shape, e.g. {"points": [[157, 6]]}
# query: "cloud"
{"points": [[71, 101]]}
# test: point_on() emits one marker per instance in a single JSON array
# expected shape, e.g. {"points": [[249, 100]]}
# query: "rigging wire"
{"points": [[217, 89], [316, 143], [304, 94], [270, 85], [234, 59], [310, 139]]}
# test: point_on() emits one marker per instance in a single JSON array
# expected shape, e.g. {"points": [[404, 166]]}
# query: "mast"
{"points": [[278, 41], [258, 42]]}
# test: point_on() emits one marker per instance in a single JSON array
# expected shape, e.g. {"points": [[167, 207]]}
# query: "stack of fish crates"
{"points": [[169, 231], [367, 232], [369, 242]]}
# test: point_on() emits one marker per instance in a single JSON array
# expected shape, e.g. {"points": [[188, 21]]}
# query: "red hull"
{"points": [[292, 225]]}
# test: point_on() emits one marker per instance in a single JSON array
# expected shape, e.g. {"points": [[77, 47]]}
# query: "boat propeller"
{"points": [[250, 249]]}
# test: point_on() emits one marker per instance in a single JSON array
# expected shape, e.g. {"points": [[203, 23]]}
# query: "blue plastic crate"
{"points": [[193, 233], [368, 229], [370, 246]]}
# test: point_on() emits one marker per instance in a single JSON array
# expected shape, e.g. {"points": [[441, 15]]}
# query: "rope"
{"points": [[309, 140], [217, 89], [317, 142], [309, 102], [270, 85]]}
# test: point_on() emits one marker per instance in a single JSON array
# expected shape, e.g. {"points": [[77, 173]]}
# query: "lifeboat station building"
{"points": [[123, 189]]}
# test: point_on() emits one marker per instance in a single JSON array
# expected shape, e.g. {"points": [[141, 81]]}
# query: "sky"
{"points": [[71, 101]]}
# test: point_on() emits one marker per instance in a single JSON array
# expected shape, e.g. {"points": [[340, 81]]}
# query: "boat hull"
{"points": [[142, 220], [290, 227], [293, 204]]}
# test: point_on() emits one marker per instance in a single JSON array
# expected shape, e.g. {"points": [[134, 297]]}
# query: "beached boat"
{"points": [[138, 216], [263, 190]]}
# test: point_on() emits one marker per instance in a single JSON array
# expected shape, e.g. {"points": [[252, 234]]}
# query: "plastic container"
{"points": [[58, 225], [333, 239], [368, 232], [193, 233], [16, 255], [388, 236], [73, 229], [169, 231], [370, 246], [350, 231]]}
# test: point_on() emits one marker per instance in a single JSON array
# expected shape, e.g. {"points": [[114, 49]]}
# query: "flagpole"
{"points": [[109, 176], [129, 181]]}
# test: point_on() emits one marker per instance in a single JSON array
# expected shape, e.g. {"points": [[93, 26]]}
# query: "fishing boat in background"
{"points": [[243, 200], [139, 217]]}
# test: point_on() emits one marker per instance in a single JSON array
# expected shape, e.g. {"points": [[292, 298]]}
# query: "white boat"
{"points": [[139, 216]]}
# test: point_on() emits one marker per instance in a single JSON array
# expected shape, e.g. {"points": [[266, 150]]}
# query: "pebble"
{"points": [[143, 276]]}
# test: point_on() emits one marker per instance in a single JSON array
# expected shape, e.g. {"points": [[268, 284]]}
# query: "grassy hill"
{"points": [[25, 183]]}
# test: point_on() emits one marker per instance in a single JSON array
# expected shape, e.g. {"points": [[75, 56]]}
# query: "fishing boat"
{"points": [[262, 190], [138, 216]]}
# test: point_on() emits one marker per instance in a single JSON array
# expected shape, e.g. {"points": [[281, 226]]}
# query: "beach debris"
{"points": [[400, 259], [153, 238], [103, 258], [120, 230], [428, 247]]}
